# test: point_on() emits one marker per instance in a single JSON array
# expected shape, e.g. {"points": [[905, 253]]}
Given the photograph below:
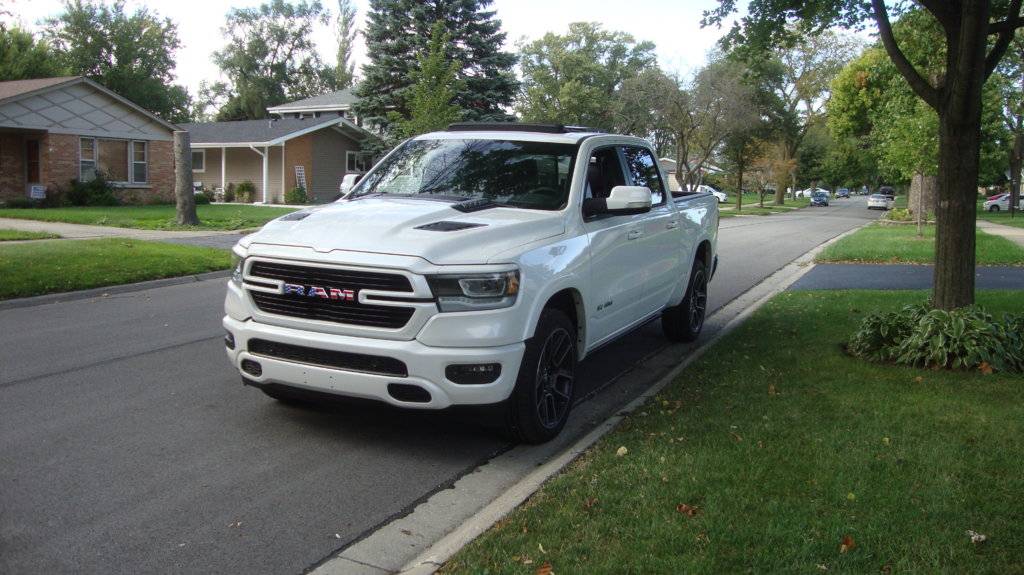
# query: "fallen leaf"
{"points": [[885, 440], [405, 532], [918, 379], [847, 544], [621, 451], [688, 510], [822, 567], [886, 569], [544, 569], [736, 436], [590, 502], [985, 368], [541, 548], [851, 496], [976, 537], [771, 389]]}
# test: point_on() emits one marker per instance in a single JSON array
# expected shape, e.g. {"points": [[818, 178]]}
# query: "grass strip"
{"points": [[50, 267], [778, 453], [18, 235], [879, 243], [160, 217]]}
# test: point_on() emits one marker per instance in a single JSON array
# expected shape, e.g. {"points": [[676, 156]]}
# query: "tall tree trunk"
{"points": [[739, 187], [955, 215], [1016, 164], [184, 196]]}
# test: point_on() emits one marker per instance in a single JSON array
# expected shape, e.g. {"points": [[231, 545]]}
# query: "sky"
{"points": [[673, 25]]}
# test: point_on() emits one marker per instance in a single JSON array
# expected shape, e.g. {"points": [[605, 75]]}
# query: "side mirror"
{"points": [[349, 181], [623, 200]]}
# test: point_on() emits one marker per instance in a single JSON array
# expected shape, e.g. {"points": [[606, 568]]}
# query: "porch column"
{"points": [[266, 171], [223, 168]]}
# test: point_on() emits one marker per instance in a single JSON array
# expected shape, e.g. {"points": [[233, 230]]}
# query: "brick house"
{"points": [[54, 130], [311, 143]]}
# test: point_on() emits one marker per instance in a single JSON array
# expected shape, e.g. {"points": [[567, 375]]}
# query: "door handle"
{"points": [[672, 225], [633, 234]]}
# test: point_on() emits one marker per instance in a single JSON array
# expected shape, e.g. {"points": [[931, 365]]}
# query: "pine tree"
{"points": [[397, 31], [345, 72], [435, 85]]}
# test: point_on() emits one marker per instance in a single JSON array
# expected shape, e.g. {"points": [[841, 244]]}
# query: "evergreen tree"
{"points": [[23, 57], [345, 73], [398, 30], [435, 85]]}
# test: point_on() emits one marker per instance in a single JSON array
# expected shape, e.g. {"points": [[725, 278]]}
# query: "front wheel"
{"points": [[545, 389], [684, 322], [993, 208]]}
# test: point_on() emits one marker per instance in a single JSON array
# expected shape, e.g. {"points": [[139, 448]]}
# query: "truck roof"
{"points": [[555, 133]]}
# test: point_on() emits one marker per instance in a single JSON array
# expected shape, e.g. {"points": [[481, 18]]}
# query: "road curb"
{"points": [[109, 290], [377, 553]]}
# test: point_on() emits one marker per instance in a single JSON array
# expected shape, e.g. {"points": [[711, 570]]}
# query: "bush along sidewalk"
{"points": [[779, 452]]}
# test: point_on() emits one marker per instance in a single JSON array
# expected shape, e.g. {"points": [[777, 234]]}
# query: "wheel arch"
{"points": [[570, 302]]}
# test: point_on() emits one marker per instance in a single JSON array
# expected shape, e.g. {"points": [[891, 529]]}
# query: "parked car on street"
{"points": [[475, 266], [880, 202], [721, 196], [888, 191], [809, 192], [819, 199], [842, 193], [1002, 202]]}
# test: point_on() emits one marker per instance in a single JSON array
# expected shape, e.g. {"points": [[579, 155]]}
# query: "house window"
{"points": [[358, 162], [86, 159], [199, 161], [140, 162], [113, 159]]}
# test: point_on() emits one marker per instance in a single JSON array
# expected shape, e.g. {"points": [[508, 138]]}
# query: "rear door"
{"points": [[617, 279]]}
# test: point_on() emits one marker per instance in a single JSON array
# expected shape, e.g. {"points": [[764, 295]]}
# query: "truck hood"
{"points": [[394, 226]]}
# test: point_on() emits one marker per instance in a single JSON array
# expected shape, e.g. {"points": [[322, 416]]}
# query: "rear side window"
{"points": [[643, 169]]}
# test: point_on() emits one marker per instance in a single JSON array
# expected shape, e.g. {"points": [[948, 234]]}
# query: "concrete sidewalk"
{"points": [[900, 277], [1011, 233]]}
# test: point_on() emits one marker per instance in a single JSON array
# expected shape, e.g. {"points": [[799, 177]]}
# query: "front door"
{"points": [[32, 175]]}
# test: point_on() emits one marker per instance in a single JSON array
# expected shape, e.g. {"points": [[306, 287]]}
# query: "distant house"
{"points": [[54, 130], [669, 168], [311, 143]]}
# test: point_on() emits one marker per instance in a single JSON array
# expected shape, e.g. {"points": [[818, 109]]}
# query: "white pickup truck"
{"points": [[474, 266]]}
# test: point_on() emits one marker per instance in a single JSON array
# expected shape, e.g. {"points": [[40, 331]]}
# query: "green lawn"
{"points": [[1002, 218], [49, 267], [13, 235], [782, 447], [213, 217], [751, 208], [899, 244]]}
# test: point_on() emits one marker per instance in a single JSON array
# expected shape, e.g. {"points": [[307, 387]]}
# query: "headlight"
{"points": [[237, 262], [471, 292]]}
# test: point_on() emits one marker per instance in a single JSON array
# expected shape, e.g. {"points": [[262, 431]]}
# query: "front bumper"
{"points": [[425, 364]]}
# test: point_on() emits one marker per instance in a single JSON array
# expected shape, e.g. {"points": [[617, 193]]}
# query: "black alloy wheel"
{"points": [[545, 388]]}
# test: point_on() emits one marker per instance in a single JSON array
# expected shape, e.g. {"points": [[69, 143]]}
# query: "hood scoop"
{"points": [[448, 226]]}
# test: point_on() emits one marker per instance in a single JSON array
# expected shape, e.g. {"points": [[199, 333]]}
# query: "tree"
{"points": [[345, 69], [955, 94], [642, 106], [132, 54], [270, 58], [23, 57], [574, 78], [431, 102], [397, 31], [1010, 82]]}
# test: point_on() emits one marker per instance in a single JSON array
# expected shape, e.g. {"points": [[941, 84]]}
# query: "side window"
{"points": [[604, 172], [643, 170]]}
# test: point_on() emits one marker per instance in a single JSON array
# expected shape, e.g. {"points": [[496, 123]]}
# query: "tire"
{"points": [[993, 208], [684, 322], [546, 386]]}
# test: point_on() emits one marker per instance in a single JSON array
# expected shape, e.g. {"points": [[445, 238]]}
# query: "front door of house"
{"points": [[32, 176]]}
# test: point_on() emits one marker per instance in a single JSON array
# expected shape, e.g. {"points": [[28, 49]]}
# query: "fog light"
{"points": [[252, 368], [229, 341], [473, 373]]}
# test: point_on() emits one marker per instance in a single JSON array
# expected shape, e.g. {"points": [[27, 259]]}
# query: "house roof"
{"points": [[14, 90], [340, 100], [262, 132]]}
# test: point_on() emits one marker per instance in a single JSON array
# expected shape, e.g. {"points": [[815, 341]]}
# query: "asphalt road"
{"points": [[127, 444]]}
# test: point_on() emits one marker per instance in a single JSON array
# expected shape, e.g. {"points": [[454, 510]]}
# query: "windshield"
{"points": [[819, 195], [533, 175]]}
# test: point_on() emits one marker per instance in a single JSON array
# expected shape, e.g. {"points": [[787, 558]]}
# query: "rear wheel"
{"points": [[993, 208], [546, 386], [684, 322]]}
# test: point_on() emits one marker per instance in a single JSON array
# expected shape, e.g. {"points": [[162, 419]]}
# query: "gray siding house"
{"points": [[312, 143]]}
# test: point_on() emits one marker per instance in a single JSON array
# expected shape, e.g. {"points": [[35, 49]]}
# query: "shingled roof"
{"points": [[335, 101], [262, 132]]}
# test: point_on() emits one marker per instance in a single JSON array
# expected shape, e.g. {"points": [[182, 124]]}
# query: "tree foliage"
{"points": [[269, 59], [574, 78], [431, 101], [24, 57], [397, 31], [345, 68], [130, 53]]}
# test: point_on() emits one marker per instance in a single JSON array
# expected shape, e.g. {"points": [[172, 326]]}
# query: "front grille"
{"points": [[330, 310], [360, 362], [338, 311], [346, 279]]}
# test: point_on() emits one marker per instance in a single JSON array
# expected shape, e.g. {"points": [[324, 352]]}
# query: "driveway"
{"points": [[128, 444]]}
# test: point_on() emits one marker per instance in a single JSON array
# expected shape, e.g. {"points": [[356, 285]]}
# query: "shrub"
{"points": [[295, 196], [920, 336], [900, 215], [95, 192], [21, 203], [202, 199], [245, 192], [229, 192]]}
